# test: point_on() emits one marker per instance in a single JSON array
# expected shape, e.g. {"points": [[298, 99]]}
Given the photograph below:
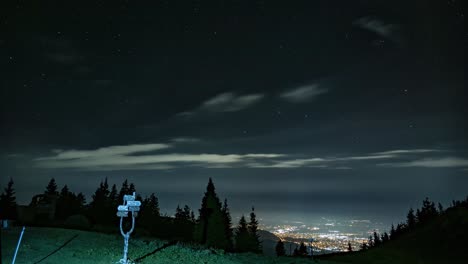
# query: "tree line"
{"points": [[414, 219], [213, 227]]}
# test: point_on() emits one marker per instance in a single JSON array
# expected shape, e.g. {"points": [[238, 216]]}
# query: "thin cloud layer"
{"points": [[225, 102], [446, 162], [303, 93], [125, 158], [136, 157], [377, 26], [230, 102]]}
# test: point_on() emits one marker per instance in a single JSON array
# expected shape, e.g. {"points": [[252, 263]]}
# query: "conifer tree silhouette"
{"points": [[302, 249], [51, 188], [279, 248], [64, 203], [123, 191], [255, 244], [8, 202], [227, 224], [411, 219], [100, 204], [242, 236], [377, 240], [210, 229]]}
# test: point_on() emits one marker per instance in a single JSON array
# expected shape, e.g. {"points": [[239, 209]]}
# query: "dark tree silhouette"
{"points": [[255, 244], [149, 213], [131, 188], [8, 202], [280, 250], [242, 236], [227, 224], [210, 229], [385, 237], [179, 214], [123, 191], [377, 240], [100, 203], [350, 248], [51, 188], [302, 249], [411, 219], [427, 212], [370, 241], [441, 208], [296, 252], [364, 246], [392, 232], [64, 204]]}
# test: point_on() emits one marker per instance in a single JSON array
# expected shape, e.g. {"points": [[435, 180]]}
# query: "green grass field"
{"points": [[443, 240], [91, 247]]}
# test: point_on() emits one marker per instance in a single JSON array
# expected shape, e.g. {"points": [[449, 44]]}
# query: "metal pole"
{"points": [[17, 246]]}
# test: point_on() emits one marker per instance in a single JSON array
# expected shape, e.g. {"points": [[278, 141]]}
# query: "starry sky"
{"points": [[305, 109]]}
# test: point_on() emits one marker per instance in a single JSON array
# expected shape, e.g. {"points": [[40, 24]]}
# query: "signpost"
{"points": [[130, 205]]}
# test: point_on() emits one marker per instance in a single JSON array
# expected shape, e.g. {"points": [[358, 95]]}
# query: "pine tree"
{"points": [[296, 252], [385, 237], [149, 213], [192, 217], [392, 232], [186, 212], [131, 189], [280, 250], [242, 236], [364, 246], [227, 224], [441, 208], [370, 241], [302, 249], [8, 202], [255, 244], [64, 204], [210, 229], [113, 196], [179, 215], [377, 240], [124, 190], [100, 204], [51, 188], [411, 219]]}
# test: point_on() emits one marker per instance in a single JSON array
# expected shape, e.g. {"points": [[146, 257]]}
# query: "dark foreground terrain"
{"points": [[443, 240]]}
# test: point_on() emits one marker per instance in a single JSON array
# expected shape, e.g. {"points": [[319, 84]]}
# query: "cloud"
{"points": [[224, 102], [124, 158], [103, 152], [406, 151], [447, 162], [377, 26], [303, 93], [185, 140], [230, 102]]}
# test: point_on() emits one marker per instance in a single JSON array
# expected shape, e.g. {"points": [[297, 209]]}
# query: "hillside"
{"points": [[77, 247], [442, 240]]}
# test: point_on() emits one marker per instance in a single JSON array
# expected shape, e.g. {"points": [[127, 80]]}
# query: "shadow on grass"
{"points": [[55, 251], [139, 259]]}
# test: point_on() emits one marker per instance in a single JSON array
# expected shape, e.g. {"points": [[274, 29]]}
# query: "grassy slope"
{"points": [[90, 247], [444, 240]]}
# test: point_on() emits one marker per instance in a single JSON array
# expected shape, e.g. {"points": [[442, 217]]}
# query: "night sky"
{"points": [[305, 109]]}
